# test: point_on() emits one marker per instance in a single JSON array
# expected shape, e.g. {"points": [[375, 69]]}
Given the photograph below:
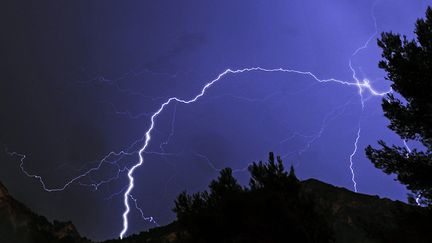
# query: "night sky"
{"points": [[80, 79]]}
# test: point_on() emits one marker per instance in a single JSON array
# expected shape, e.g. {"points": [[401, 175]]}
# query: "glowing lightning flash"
{"points": [[418, 196], [359, 85], [351, 159], [362, 86]]}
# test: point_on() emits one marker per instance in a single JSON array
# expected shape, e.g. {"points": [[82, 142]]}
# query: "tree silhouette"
{"points": [[408, 64], [272, 175], [271, 210]]}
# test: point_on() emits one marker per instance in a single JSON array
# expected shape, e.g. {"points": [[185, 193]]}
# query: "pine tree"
{"points": [[408, 64]]}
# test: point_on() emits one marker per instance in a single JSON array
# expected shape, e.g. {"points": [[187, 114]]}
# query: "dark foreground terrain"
{"points": [[19, 224], [353, 217]]}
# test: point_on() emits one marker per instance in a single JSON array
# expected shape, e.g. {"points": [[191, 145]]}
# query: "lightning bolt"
{"points": [[113, 158], [352, 156], [360, 85], [149, 219], [407, 147], [366, 86]]}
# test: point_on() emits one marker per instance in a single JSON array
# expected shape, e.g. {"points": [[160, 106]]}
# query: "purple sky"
{"points": [[80, 78]]}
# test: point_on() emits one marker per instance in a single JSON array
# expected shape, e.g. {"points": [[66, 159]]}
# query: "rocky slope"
{"points": [[18, 224], [358, 217]]}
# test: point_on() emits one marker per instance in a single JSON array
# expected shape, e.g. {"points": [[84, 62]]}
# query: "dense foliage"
{"points": [[270, 210], [408, 64]]}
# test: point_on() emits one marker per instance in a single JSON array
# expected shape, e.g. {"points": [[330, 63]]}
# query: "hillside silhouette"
{"points": [[274, 207], [277, 207], [18, 224]]}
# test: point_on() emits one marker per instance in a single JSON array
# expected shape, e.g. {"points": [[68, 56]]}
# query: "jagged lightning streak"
{"points": [[312, 138], [418, 196], [352, 156], [163, 144], [362, 86], [149, 219], [324, 124], [367, 85], [407, 147], [357, 84], [22, 157]]}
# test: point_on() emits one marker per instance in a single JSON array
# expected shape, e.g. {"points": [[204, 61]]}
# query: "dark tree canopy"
{"points": [[271, 210], [408, 64]]}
